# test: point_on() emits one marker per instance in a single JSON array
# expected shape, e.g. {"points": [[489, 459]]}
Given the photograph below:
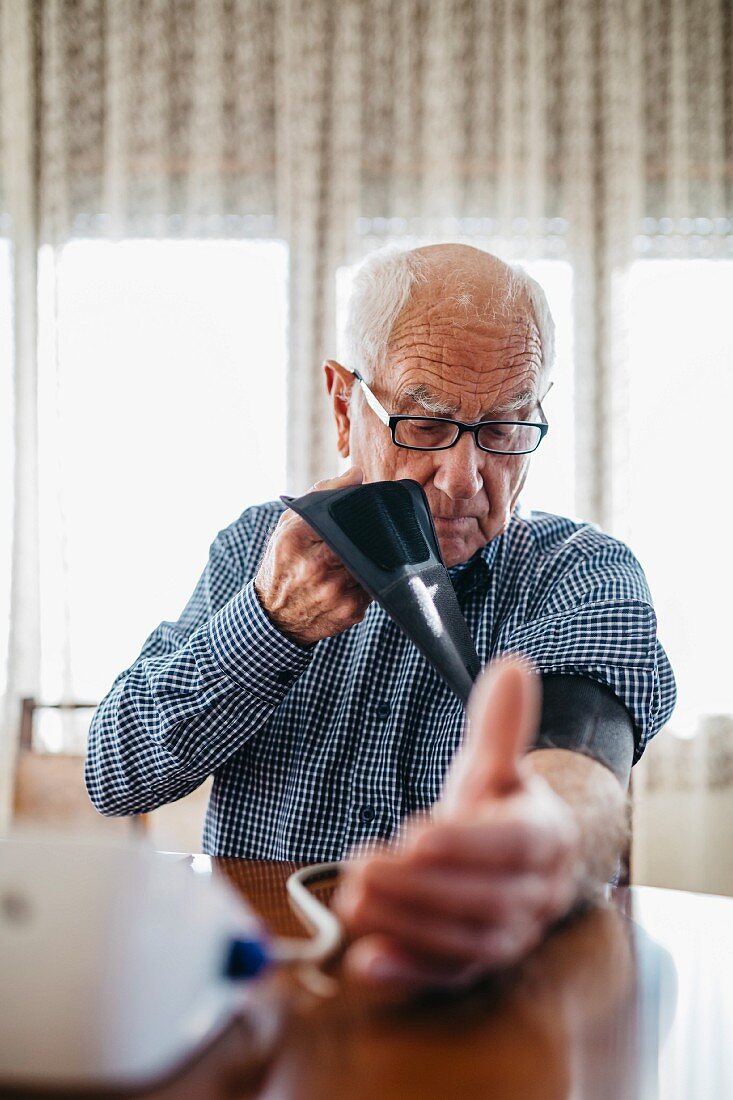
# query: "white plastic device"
{"points": [[113, 962]]}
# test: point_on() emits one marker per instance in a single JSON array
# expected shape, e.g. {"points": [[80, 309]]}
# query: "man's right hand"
{"points": [[306, 591]]}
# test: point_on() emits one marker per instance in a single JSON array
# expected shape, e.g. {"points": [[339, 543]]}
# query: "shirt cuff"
{"points": [[252, 651]]}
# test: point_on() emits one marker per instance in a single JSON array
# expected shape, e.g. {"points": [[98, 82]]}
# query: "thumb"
{"points": [[503, 716], [353, 476]]}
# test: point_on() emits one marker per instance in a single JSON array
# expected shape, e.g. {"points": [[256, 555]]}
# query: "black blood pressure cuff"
{"points": [[582, 715]]}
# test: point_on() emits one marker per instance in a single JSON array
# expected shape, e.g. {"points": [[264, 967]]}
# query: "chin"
{"points": [[455, 551]]}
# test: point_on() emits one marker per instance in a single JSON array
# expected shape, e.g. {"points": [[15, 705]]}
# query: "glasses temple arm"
{"points": [[371, 400]]}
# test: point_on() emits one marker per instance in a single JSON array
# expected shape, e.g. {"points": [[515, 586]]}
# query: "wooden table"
{"points": [[633, 1001]]}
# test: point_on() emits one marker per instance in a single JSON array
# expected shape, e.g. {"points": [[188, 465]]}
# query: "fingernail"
{"points": [[383, 969]]}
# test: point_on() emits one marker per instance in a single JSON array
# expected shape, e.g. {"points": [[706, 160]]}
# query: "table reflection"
{"points": [[631, 1001], [684, 949]]}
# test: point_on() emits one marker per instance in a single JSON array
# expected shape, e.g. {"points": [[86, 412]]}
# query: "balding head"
{"points": [[476, 282], [472, 278]]}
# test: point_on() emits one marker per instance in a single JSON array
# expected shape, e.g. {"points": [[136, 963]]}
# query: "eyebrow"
{"points": [[424, 397]]}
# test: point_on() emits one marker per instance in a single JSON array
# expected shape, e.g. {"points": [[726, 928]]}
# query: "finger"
{"points": [[461, 894], [329, 562], [294, 527], [304, 533], [333, 592], [496, 845], [503, 716], [353, 476], [441, 939], [323, 557], [304, 541], [423, 932], [382, 962], [506, 944]]}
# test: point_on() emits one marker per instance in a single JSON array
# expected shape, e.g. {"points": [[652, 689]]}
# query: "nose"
{"points": [[457, 470]]}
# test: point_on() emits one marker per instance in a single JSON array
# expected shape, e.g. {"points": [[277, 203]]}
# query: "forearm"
{"points": [[177, 716], [599, 805], [161, 731]]}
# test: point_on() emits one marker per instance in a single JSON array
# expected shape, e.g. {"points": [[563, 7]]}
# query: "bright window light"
{"points": [[6, 448], [550, 485], [681, 378], [162, 417]]}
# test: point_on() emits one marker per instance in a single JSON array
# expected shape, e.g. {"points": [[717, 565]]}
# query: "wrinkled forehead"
{"points": [[456, 358]]}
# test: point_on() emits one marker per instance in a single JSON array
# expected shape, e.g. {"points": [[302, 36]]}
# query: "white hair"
{"points": [[382, 286]]}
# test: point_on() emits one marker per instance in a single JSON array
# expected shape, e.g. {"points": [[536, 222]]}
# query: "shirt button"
{"points": [[284, 677], [367, 814], [384, 710]]}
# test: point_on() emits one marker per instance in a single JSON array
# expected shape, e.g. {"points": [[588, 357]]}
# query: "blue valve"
{"points": [[245, 959]]}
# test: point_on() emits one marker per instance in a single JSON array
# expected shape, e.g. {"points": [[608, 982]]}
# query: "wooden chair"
{"points": [[49, 788]]}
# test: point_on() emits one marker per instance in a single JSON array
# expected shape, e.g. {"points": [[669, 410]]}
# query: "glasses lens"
{"points": [[512, 439], [425, 433]]}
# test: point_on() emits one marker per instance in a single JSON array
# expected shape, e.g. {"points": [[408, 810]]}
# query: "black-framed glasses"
{"points": [[438, 433]]}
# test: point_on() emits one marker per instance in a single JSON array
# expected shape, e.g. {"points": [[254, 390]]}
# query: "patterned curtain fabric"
{"points": [[530, 119], [598, 130]]}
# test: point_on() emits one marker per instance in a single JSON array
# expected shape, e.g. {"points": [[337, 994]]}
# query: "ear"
{"points": [[339, 382]]}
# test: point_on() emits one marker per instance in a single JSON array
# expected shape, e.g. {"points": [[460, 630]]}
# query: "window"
{"points": [[550, 485], [158, 363], [6, 447], [679, 523]]}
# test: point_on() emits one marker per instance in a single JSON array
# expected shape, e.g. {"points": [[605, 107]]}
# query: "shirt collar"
{"points": [[477, 565], [482, 562]]}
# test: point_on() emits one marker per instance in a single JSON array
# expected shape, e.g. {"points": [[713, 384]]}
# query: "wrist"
{"points": [[277, 619], [251, 651]]}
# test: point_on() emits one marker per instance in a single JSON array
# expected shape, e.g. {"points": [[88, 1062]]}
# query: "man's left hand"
{"points": [[476, 887]]}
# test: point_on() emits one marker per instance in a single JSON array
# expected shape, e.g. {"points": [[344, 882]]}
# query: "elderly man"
{"points": [[323, 726]]}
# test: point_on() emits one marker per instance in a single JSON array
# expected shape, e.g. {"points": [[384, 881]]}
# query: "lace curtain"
{"points": [[598, 130], [300, 117]]}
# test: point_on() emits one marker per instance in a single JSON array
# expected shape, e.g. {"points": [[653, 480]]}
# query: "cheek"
{"points": [[502, 483], [381, 458], [376, 454], [519, 480], [367, 448], [497, 476], [412, 464]]}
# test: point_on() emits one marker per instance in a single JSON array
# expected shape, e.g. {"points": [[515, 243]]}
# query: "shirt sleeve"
{"points": [[200, 688], [589, 613]]}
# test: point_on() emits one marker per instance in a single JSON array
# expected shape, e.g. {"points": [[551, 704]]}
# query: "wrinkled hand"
{"points": [[474, 889], [307, 592]]}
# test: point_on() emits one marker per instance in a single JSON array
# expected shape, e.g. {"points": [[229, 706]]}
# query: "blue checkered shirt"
{"points": [[315, 749]]}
